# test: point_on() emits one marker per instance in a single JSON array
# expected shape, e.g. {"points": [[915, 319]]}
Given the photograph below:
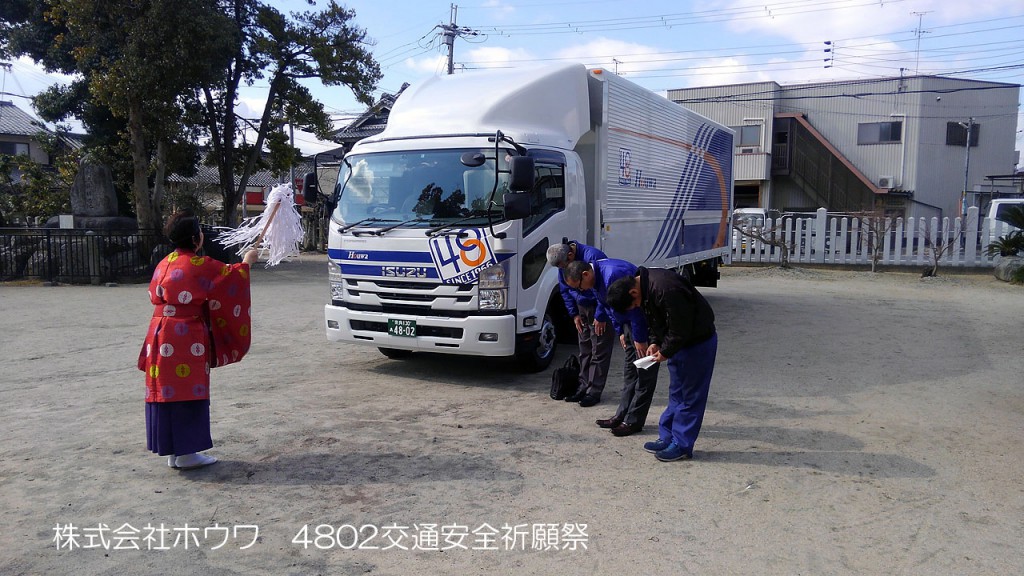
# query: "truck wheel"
{"points": [[704, 273], [535, 354], [395, 353]]}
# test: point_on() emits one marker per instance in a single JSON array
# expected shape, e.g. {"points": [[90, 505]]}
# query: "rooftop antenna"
{"points": [[918, 32]]}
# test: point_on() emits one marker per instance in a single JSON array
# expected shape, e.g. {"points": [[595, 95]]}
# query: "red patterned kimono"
{"points": [[201, 320]]}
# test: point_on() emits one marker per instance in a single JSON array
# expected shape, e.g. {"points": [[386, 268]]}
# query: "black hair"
{"points": [[182, 230], [619, 297], [574, 270]]}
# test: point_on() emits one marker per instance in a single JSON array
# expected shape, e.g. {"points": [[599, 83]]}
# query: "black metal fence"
{"points": [[79, 256]]}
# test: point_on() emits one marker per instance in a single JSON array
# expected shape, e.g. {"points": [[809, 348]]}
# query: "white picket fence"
{"points": [[825, 239]]}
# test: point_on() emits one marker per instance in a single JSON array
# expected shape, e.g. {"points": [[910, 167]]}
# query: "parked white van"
{"points": [[747, 219], [997, 214], [752, 217]]}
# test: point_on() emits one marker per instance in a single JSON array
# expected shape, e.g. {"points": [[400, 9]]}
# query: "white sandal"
{"points": [[193, 461]]}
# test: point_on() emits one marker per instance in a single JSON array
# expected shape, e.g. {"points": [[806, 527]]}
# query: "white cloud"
{"points": [[819, 22], [605, 51], [726, 71], [498, 9], [495, 57], [249, 107], [436, 64], [856, 19]]}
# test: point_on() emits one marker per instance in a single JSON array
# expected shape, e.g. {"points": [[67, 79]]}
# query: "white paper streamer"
{"points": [[277, 231]]}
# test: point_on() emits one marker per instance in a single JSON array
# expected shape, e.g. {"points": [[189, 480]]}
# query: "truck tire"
{"points": [[704, 273], [535, 354], [395, 353]]}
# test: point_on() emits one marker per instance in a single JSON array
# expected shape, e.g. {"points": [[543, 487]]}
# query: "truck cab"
{"points": [[423, 256]]}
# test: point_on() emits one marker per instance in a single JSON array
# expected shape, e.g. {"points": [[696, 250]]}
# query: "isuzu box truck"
{"points": [[440, 224]]}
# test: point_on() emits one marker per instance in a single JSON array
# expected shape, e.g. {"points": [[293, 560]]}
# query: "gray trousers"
{"points": [[595, 353], [637, 386]]}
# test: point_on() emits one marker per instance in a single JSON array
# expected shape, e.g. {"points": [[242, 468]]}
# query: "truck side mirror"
{"points": [[521, 178], [517, 205], [310, 188]]}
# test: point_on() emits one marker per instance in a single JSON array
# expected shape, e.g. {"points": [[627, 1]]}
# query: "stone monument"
{"points": [[93, 199], [92, 193]]}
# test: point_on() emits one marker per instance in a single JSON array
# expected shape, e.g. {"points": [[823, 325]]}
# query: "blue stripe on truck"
{"points": [[378, 256], [695, 176]]}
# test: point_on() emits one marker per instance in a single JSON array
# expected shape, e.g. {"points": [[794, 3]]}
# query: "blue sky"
{"points": [[672, 44]]}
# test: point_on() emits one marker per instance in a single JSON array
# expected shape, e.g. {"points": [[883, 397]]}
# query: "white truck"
{"points": [[440, 224]]}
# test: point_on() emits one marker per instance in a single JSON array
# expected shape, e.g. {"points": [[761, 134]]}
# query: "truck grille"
{"points": [[423, 298]]}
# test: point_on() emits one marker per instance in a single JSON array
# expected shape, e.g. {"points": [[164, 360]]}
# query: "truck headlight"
{"points": [[492, 299], [334, 277], [493, 285]]}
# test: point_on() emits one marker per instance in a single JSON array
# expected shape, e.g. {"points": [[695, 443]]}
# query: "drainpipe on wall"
{"points": [[903, 143]]}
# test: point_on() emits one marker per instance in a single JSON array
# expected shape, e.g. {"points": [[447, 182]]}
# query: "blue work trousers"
{"points": [[689, 371]]}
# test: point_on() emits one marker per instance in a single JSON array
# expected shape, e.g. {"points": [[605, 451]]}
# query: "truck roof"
{"points": [[546, 105]]}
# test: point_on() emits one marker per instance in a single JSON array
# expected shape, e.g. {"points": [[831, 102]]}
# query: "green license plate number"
{"points": [[404, 328]]}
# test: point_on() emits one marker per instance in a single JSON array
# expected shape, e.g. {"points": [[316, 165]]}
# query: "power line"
{"points": [[719, 14], [776, 97], [753, 51]]}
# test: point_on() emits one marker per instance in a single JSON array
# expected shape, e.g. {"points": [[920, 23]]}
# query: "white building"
{"points": [[894, 143]]}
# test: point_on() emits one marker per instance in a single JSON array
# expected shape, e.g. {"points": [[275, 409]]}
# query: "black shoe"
{"points": [[589, 400], [627, 429], [576, 397], [608, 422]]}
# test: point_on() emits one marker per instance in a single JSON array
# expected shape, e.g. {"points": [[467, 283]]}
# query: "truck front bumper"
{"points": [[472, 336]]}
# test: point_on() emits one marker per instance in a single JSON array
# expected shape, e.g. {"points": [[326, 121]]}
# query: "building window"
{"points": [[13, 148], [879, 132], [956, 134], [747, 136]]}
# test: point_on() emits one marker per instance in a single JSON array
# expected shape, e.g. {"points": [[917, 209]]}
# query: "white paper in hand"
{"points": [[645, 362]]}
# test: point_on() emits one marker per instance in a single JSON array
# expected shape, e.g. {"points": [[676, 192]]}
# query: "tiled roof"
{"points": [[73, 141], [209, 175], [370, 122], [15, 121]]}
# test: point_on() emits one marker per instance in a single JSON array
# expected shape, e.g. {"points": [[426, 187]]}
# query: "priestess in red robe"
{"points": [[200, 320]]}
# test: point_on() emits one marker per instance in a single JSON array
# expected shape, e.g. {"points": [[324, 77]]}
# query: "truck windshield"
{"points": [[420, 189]]}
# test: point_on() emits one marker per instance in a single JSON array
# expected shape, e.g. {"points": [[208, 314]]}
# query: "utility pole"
{"points": [[291, 163], [449, 32], [969, 126], [3, 86]]}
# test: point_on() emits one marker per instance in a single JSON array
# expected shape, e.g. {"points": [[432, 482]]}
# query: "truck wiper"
{"points": [[435, 229], [344, 229], [382, 231]]}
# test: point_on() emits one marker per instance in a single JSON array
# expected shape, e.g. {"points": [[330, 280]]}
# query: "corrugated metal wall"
{"points": [[920, 162]]}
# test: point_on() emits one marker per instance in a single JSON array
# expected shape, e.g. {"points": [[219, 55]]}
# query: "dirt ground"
{"points": [[858, 424]]}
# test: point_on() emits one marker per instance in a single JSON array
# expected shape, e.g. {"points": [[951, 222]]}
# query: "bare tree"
{"points": [[767, 235], [940, 247], [875, 226]]}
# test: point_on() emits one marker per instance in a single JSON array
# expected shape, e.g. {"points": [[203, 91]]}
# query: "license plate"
{"points": [[405, 328]]}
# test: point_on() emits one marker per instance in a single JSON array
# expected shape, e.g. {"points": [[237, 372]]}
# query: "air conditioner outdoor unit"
{"points": [[886, 182]]}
